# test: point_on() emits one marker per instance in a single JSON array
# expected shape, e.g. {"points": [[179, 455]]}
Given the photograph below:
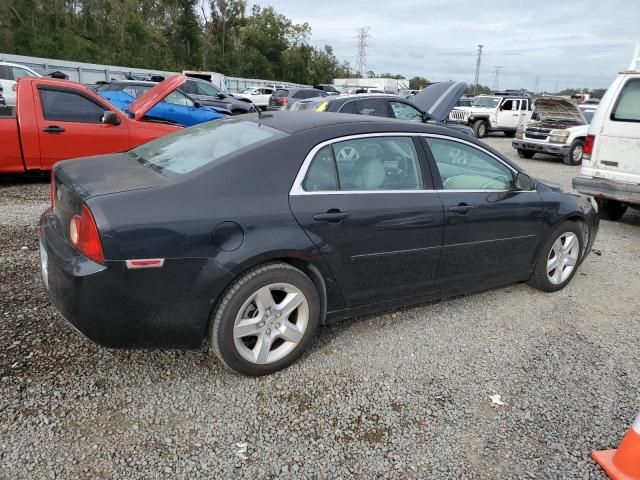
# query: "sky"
{"points": [[566, 43]]}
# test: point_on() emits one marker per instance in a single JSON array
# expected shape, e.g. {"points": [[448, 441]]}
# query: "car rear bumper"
{"points": [[608, 189], [549, 148], [166, 307]]}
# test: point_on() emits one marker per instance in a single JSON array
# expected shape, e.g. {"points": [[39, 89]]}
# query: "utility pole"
{"points": [[536, 90], [496, 78], [477, 77], [361, 58]]}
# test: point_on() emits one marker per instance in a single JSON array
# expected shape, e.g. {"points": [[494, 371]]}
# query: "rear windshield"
{"points": [[281, 93], [184, 151]]}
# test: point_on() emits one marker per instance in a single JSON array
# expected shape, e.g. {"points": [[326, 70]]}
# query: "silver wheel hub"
{"points": [[563, 257], [271, 323], [577, 153]]}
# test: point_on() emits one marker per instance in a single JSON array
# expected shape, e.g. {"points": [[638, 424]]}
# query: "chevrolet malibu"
{"points": [[248, 233]]}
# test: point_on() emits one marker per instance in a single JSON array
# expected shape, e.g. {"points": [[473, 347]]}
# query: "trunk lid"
{"points": [[146, 102], [439, 99]]}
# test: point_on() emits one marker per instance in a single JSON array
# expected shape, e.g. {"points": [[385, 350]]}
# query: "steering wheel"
{"points": [[373, 150], [349, 154], [457, 156]]}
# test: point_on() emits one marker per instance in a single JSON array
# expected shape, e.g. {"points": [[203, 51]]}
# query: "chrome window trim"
{"points": [[297, 189]]}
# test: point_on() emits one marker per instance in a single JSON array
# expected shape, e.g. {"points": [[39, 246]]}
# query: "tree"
{"points": [[418, 83]]}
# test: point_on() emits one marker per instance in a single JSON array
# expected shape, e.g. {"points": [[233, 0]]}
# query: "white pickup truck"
{"points": [[493, 113], [611, 164], [9, 75], [557, 127]]}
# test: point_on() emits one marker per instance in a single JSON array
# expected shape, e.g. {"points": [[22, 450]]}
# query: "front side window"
{"points": [[203, 88], [463, 167], [177, 98], [627, 108], [367, 164], [20, 72], [67, 106], [204, 144], [403, 111]]}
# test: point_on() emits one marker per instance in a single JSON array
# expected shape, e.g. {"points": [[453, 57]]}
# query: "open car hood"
{"points": [[146, 102], [438, 99], [550, 108]]}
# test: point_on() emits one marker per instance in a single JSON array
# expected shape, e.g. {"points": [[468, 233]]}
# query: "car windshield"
{"points": [[184, 151], [486, 102]]}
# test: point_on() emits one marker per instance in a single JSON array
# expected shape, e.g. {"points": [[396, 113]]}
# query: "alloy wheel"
{"points": [[562, 258], [271, 323]]}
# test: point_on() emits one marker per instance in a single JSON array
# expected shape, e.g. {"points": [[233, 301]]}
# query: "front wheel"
{"points": [[480, 128], [265, 319], [574, 156], [559, 258], [611, 209]]}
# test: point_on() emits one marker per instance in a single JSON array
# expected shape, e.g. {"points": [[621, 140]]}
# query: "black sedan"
{"points": [[250, 232]]}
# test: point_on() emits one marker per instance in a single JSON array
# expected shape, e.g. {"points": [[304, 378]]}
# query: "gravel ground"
{"points": [[400, 395]]}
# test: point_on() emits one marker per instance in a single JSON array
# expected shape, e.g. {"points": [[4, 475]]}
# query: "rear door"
{"points": [[70, 125], [369, 207], [618, 142], [491, 229]]}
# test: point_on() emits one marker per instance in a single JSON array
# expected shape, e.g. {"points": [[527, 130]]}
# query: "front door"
{"points": [[70, 126], [491, 229], [509, 114], [372, 213]]}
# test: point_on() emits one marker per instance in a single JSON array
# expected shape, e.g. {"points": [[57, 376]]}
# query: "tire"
{"points": [[526, 153], [546, 278], [480, 128], [574, 157], [246, 300], [611, 210], [239, 112], [510, 133]]}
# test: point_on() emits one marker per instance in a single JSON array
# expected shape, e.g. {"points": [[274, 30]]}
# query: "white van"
{"points": [[611, 155]]}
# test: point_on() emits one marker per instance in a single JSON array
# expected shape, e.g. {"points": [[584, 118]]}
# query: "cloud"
{"points": [[580, 43]]}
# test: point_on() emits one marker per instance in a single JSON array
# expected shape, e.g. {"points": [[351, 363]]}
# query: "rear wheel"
{"points": [[480, 128], [265, 319], [611, 209], [559, 258], [574, 156], [525, 153]]}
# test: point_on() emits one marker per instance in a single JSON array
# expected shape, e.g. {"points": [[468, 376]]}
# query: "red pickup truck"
{"points": [[57, 119]]}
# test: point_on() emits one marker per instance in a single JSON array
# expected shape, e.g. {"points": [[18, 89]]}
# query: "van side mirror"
{"points": [[110, 118], [524, 182]]}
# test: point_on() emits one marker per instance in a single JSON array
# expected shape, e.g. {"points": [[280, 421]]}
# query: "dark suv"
{"points": [[209, 95], [283, 98]]}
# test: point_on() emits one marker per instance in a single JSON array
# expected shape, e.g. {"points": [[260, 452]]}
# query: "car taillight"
{"points": [[284, 100], [587, 149], [83, 233]]}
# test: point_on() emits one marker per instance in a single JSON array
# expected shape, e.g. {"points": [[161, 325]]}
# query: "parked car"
{"points": [[9, 75], [610, 166], [55, 120], [465, 101], [176, 107], [207, 94], [283, 98], [494, 113], [431, 105], [557, 127], [3, 103], [407, 93], [330, 89], [231, 232], [259, 96]]}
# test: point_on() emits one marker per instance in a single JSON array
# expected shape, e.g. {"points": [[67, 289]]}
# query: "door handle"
{"points": [[462, 208], [332, 216], [53, 129]]}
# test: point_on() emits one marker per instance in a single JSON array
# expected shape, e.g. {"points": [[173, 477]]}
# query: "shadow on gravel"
{"points": [[24, 179]]}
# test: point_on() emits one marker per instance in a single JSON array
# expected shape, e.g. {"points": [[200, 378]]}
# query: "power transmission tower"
{"points": [[361, 58], [536, 90], [496, 78], [478, 62]]}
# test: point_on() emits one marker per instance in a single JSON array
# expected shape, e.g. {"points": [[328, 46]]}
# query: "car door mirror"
{"points": [[110, 118], [425, 117], [221, 95], [197, 104], [524, 182]]}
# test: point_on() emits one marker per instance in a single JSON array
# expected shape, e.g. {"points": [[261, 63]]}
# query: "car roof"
{"points": [[143, 83]]}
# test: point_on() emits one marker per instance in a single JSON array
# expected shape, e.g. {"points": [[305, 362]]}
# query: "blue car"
{"points": [[176, 107]]}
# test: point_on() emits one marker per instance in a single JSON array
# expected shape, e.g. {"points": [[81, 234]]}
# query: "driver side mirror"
{"points": [[197, 104], [425, 117], [524, 182], [221, 95], [110, 118]]}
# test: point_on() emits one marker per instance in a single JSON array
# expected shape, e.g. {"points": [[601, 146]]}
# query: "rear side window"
{"points": [[67, 106], [186, 150], [321, 176], [281, 93], [372, 106], [627, 107]]}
